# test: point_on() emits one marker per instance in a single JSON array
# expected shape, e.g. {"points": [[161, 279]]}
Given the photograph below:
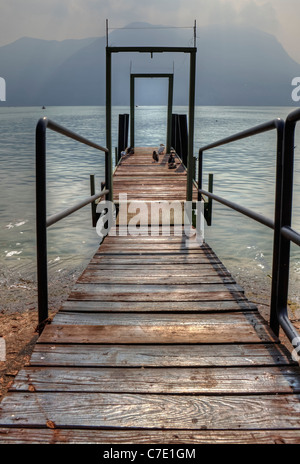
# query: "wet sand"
{"points": [[19, 319]]}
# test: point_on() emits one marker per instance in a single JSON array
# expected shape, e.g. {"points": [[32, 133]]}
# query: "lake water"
{"points": [[244, 172]]}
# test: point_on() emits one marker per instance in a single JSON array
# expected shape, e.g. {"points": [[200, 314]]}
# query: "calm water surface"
{"points": [[243, 172]]}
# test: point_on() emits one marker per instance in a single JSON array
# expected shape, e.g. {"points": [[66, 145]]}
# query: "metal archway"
{"points": [[132, 103], [192, 52]]}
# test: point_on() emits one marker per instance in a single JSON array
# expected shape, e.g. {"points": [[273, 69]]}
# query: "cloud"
{"points": [[63, 19], [263, 16]]}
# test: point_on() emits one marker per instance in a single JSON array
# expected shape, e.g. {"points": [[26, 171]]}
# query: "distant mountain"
{"points": [[243, 66], [27, 64], [235, 66]]}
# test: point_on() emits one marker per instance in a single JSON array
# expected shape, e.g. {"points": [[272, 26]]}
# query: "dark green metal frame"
{"points": [[132, 104], [192, 52]]}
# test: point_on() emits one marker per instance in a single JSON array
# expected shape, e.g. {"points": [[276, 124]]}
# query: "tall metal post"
{"points": [[189, 192], [274, 321], [286, 220], [107, 32], [108, 168], [132, 91], [93, 204], [200, 174], [170, 110], [41, 227], [132, 104]]}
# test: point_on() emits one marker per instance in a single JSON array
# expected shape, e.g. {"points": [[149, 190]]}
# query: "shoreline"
{"points": [[19, 321]]}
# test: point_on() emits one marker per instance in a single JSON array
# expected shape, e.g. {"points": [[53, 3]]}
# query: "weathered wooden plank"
{"points": [[145, 171], [156, 192], [157, 180], [156, 289], [249, 318], [142, 171], [156, 243], [95, 276], [191, 437], [124, 231], [129, 292], [156, 267], [157, 271], [160, 333], [204, 381], [157, 306], [80, 295], [149, 241], [186, 328], [137, 252], [150, 411], [158, 184], [153, 193], [152, 248], [154, 239], [163, 190], [191, 248], [153, 259], [150, 197], [217, 355]]}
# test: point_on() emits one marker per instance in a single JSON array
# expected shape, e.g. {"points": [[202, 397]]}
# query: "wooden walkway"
{"points": [[155, 344]]}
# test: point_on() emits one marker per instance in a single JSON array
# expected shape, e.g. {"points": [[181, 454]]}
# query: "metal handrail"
{"points": [[291, 234], [279, 125], [42, 222], [240, 209], [285, 233], [63, 214]]}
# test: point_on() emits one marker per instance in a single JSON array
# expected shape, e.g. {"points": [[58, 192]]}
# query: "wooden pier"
{"points": [[155, 344]]}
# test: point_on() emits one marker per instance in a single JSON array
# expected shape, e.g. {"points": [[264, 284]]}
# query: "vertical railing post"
{"points": [[108, 155], [116, 156], [274, 322], [108, 101], [132, 96], [41, 227], [200, 174], [170, 110], [93, 204], [285, 220], [108, 176], [210, 201], [189, 192]]}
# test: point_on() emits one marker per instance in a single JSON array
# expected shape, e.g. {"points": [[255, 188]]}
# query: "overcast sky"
{"points": [[65, 19]]}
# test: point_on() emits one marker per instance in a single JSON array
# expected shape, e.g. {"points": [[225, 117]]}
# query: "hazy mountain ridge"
{"points": [[235, 66]]}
